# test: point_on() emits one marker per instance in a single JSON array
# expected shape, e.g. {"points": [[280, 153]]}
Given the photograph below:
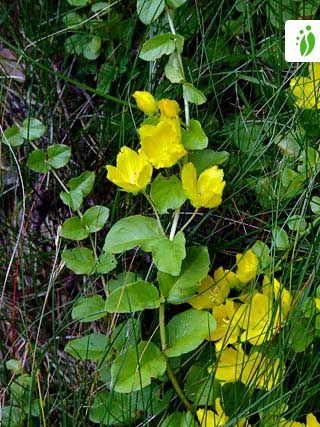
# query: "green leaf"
{"points": [[130, 232], [106, 262], [125, 334], [83, 183], [194, 138], [79, 260], [91, 347], [247, 135], [13, 136], [112, 409], [32, 129], [179, 419], [74, 229], [315, 205], [71, 19], [12, 416], [262, 251], [175, 3], [289, 146], [193, 95], [92, 49], [201, 388], [123, 279], [187, 330], [74, 44], [136, 296], [37, 161], [168, 254], [96, 7], [173, 70], [88, 309], [162, 44], [78, 2], [15, 366], [280, 238], [297, 223], [95, 218], [149, 10], [301, 335], [134, 369], [195, 267], [58, 155], [73, 199], [167, 193], [205, 159]]}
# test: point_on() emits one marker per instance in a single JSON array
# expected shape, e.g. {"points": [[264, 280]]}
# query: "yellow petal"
{"points": [[287, 423], [247, 266], [146, 102], [169, 108], [132, 173], [312, 421], [204, 297], [206, 191], [210, 187], [229, 365], [314, 71], [161, 143], [189, 183]]}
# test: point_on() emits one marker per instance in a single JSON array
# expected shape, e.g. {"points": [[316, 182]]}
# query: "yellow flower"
{"points": [[169, 108], [212, 292], [280, 294], [146, 102], [312, 421], [307, 89], [255, 318], [229, 365], [161, 143], [226, 332], [132, 173], [209, 418], [261, 372], [205, 191], [247, 266], [287, 423]]}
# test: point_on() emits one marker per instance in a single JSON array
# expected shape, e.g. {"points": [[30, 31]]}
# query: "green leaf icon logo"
{"points": [[307, 42]]}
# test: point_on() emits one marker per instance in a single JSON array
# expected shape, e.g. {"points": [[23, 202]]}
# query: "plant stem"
{"points": [[170, 373], [190, 219], [155, 211], [174, 224], [186, 103]]}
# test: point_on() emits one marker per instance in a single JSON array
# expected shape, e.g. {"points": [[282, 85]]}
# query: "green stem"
{"points": [[186, 103], [174, 224], [190, 219], [155, 212], [170, 372]]}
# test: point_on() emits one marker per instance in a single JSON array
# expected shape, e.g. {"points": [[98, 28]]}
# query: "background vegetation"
{"points": [[74, 67]]}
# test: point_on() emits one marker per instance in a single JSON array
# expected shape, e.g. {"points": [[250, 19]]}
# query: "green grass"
{"points": [[234, 52]]}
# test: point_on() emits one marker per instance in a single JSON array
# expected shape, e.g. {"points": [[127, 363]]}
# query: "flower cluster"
{"points": [[307, 89], [161, 146]]}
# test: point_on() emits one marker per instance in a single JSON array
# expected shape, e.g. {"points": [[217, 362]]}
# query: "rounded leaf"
{"points": [[58, 155], [95, 218], [74, 229], [32, 129], [187, 330], [136, 296], [149, 10], [134, 369], [79, 260]]}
